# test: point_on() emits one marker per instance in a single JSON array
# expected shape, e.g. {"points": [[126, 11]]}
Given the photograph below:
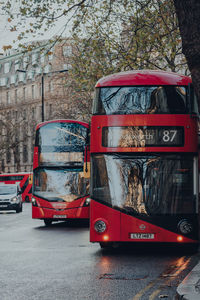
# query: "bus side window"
{"points": [[175, 101]]}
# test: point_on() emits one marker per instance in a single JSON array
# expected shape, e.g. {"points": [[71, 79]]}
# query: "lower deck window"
{"points": [[152, 185]]}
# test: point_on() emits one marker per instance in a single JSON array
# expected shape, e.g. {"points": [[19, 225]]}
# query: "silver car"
{"points": [[10, 197]]}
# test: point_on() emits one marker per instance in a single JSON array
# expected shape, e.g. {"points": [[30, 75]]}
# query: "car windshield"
{"points": [[151, 185], [141, 100], [61, 184], [7, 190]]}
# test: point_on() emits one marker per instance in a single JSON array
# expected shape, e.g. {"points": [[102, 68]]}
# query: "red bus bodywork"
{"points": [[116, 224], [59, 210], [24, 180]]}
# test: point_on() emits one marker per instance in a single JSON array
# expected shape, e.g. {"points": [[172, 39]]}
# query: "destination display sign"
{"points": [[143, 136], [62, 157]]}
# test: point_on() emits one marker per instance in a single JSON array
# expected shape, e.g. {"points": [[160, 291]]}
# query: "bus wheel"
{"points": [[47, 222], [191, 248], [106, 245]]}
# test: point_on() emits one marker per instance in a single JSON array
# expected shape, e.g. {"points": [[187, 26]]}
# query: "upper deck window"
{"points": [[61, 137], [141, 100]]}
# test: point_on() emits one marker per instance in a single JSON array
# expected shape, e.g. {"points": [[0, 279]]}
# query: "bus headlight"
{"points": [[100, 226], [87, 201], [184, 226], [34, 202]]}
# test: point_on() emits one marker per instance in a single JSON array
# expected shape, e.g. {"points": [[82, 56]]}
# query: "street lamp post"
{"points": [[42, 93], [42, 85]]}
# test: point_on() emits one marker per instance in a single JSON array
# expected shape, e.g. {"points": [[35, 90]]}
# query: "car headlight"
{"points": [[100, 226], [14, 199]]}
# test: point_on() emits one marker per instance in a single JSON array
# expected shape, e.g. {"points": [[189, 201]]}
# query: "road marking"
{"points": [[138, 295], [167, 278], [154, 294]]}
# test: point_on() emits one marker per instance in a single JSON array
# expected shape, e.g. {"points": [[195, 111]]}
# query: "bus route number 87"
{"points": [[169, 136]]}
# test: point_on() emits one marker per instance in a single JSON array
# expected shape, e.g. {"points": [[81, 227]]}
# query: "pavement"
{"points": [[189, 289]]}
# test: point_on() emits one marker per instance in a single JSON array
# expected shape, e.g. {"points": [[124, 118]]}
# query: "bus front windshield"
{"points": [[60, 184], [143, 100], [147, 185]]}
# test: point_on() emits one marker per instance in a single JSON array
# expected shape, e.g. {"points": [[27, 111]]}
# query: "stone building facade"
{"points": [[21, 76]]}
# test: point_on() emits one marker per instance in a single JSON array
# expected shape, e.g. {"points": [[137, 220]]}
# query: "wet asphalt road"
{"points": [[58, 262]]}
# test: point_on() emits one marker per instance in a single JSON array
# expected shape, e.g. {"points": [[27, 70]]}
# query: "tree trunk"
{"points": [[188, 14]]}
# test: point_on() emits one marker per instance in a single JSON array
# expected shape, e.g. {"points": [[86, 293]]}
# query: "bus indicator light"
{"points": [[179, 238], [105, 237]]}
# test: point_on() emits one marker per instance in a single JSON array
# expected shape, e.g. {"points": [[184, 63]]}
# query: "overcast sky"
{"points": [[7, 37]]}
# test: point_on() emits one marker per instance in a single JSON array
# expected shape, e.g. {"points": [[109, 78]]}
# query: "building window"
{"points": [[24, 93], [50, 86], [13, 79], [2, 165], [22, 76], [35, 58], [17, 65], [8, 97], [67, 51], [67, 66], [38, 70], [25, 62], [42, 58], [24, 117], [2, 81], [16, 155], [33, 91], [8, 156], [6, 67], [25, 153], [50, 110], [30, 74], [50, 56], [16, 96], [33, 112], [47, 69]]}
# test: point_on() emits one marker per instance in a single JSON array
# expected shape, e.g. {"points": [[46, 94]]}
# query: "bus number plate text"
{"points": [[145, 236], [60, 216]]}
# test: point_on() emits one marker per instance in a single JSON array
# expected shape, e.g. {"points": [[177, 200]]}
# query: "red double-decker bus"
{"points": [[144, 160], [25, 181], [61, 171]]}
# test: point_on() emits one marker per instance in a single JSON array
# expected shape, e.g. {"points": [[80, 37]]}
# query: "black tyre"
{"points": [[27, 199], [47, 222], [18, 209], [191, 248], [104, 245]]}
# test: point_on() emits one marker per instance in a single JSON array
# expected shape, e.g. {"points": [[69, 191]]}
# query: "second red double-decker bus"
{"points": [[25, 181], [144, 160], [61, 171]]}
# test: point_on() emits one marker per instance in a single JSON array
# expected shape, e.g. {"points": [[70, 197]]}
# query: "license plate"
{"points": [[60, 216], [145, 236], [3, 205]]}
